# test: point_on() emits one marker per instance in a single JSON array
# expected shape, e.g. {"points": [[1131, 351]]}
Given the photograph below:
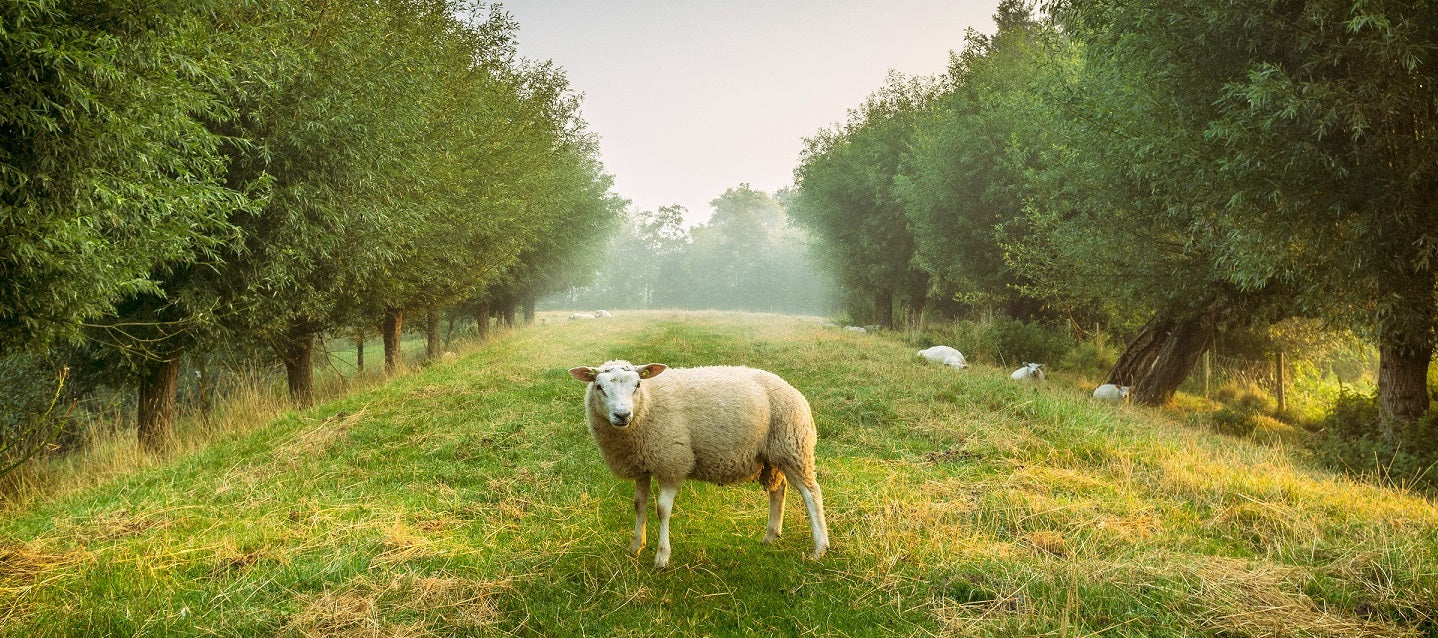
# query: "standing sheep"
{"points": [[720, 424], [1111, 392], [945, 355], [1030, 372]]}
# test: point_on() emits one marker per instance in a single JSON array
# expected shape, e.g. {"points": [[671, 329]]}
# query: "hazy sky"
{"points": [[691, 98]]}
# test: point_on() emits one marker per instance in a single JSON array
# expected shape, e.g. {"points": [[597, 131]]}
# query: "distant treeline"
{"points": [[746, 257], [179, 176], [1182, 168]]}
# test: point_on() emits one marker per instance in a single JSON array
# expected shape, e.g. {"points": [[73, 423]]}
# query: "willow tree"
{"points": [[1111, 222], [846, 197], [107, 170], [961, 183], [1304, 154], [513, 180], [118, 178]]}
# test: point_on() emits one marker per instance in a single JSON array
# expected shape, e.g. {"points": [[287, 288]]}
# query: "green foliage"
{"points": [[179, 176], [846, 198], [1286, 159], [107, 170], [961, 191], [1243, 404], [1017, 342], [1349, 439]]}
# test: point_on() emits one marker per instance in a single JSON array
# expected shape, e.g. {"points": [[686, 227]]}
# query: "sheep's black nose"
{"points": [[621, 418]]}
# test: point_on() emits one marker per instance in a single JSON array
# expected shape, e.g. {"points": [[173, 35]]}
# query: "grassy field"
{"points": [[468, 499]]}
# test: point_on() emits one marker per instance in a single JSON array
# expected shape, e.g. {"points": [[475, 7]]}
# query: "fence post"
{"points": [[1207, 370], [1282, 403]]}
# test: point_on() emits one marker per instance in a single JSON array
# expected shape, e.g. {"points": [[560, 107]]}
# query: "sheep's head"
{"points": [[614, 384]]}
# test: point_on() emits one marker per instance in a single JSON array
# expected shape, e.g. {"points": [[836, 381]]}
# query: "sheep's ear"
{"points": [[584, 373], [651, 370]]}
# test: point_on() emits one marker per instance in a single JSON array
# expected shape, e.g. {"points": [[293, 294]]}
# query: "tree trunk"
{"points": [[884, 308], [449, 330], [481, 321], [1162, 355], [299, 349], [156, 414], [393, 324], [1405, 350], [529, 303], [507, 312], [431, 335], [1402, 385], [1137, 359], [359, 352]]}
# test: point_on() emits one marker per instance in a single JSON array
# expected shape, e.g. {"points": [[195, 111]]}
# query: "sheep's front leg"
{"points": [[641, 511], [668, 488]]}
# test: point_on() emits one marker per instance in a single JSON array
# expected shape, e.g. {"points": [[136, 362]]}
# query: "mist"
{"points": [[748, 256]]}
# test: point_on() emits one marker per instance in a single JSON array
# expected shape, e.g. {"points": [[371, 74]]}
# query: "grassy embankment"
{"points": [[468, 499]]}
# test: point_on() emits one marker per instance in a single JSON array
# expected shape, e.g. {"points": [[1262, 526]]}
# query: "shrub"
{"points": [[1233, 421], [1350, 439], [1018, 342]]}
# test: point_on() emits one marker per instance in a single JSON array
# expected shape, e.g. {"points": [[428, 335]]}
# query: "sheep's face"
{"points": [[613, 387]]}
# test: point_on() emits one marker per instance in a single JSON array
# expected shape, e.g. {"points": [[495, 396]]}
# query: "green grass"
{"points": [[468, 499]]}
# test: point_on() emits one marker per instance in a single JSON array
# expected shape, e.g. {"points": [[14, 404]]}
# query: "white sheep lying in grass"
{"points": [[1030, 372], [581, 315], [945, 355], [718, 424], [600, 314], [1112, 392]]}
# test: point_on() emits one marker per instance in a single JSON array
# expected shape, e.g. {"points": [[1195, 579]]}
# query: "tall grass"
{"points": [[468, 499], [251, 397]]}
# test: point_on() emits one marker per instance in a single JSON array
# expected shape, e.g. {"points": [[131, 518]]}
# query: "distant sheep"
{"points": [[1030, 372], [945, 355], [1111, 392], [720, 424], [582, 315], [856, 328], [600, 314]]}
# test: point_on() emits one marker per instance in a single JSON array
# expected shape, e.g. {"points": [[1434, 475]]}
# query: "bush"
{"points": [[1009, 342], [1350, 439], [1093, 358], [1017, 342], [28, 418], [1234, 421]]}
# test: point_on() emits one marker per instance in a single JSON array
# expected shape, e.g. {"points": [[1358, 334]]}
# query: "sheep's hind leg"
{"points": [[668, 489], [641, 512], [808, 487], [773, 482]]}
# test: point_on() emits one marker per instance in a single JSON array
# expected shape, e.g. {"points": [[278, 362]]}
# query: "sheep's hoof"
{"points": [[635, 546], [661, 559], [770, 538], [818, 552]]}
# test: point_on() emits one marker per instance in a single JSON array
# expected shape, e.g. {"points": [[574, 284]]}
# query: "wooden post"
{"points": [[1207, 371], [1282, 403]]}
